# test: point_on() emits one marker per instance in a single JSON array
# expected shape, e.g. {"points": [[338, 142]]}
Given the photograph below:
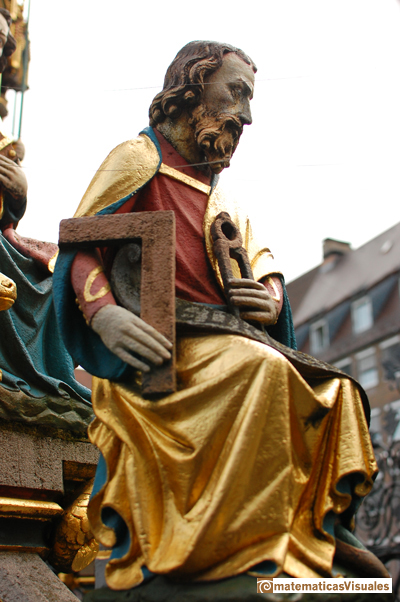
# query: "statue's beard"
{"points": [[217, 134]]}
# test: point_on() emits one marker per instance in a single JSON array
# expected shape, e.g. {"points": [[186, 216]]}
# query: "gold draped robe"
{"points": [[232, 469]]}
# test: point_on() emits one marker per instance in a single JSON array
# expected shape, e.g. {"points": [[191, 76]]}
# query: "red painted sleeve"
{"points": [[90, 284]]}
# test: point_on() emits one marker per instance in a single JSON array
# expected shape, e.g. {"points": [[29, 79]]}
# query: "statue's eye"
{"points": [[236, 91]]}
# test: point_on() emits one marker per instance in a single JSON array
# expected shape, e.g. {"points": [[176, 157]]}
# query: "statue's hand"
{"points": [[254, 301], [123, 332], [13, 178]]}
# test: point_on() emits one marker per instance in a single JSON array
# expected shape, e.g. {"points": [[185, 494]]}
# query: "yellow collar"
{"points": [[166, 170]]}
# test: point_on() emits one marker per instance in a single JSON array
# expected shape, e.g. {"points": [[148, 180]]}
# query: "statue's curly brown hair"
{"points": [[10, 45], [184, 80]]}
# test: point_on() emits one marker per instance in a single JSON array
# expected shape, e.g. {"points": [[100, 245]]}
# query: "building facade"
{"points": [[346, 312]]}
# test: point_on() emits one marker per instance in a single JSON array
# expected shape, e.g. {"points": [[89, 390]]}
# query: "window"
{"points": [[319, 336], [367, 368], [345, 365], [391, 420], [390, 358], [361, 311], [376, 427], [396, 434]]}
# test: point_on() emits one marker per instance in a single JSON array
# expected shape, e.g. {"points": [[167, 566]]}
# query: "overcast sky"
{"points": [[322, 156]]}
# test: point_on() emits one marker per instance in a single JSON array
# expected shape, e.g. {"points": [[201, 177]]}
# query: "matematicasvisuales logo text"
{"points": [[335, 584]]}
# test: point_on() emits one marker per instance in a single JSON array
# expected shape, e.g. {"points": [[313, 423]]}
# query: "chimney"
{"points": [[330, 246]]}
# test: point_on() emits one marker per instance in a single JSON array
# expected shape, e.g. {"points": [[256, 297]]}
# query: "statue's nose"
{"points": [[245, 115]]}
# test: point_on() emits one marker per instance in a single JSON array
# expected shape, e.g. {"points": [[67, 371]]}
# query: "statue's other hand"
{"points": [[13, 179], [253, 300], [123, 333]]}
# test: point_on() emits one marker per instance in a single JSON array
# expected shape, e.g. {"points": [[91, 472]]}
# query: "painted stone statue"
{"points": [[258, 461], [15, 205], [37, 383]]}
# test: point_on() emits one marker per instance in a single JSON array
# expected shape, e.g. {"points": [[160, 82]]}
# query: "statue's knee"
{"points": [[255, 351]]}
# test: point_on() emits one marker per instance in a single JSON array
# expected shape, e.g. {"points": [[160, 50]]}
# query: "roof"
{"points": [[343, 276]]}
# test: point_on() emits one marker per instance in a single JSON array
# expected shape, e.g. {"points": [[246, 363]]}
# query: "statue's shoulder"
{"points": [[127, 168]]}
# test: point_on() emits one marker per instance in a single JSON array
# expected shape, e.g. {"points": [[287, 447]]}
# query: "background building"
{"points": [[347, 312]]}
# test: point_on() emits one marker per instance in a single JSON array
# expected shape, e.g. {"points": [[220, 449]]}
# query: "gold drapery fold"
{"points": [[240, 465], [128, 167]]}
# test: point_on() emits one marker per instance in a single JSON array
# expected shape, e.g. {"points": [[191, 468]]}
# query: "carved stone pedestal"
{"points": [[42, 472], [25, 577]]}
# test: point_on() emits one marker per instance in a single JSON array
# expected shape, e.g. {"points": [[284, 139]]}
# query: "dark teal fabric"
{"points": [[33, 357], [283, 330], [11, 212]]}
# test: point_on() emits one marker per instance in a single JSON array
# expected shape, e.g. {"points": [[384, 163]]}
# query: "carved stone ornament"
{"points": [[75, 546]]}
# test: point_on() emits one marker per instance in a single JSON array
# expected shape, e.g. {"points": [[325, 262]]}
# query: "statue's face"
{"points": [[4, 29], [223, 111], [230, 89]]}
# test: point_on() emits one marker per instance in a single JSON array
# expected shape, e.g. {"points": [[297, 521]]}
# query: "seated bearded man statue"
{"points": [[259, 460]]}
